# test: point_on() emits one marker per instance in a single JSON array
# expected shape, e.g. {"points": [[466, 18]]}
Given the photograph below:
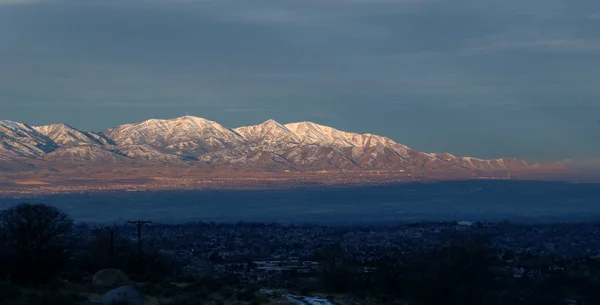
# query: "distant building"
{"points": [[463, 225]]}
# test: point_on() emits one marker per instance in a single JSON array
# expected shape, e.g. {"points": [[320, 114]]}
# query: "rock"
{"points": [[110, 278], [124, 295]]}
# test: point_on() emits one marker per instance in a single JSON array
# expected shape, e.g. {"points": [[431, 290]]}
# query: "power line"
{"points": [[139, 224]]}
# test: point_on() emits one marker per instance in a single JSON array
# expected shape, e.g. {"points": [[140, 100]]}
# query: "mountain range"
{"points": [[192, 141]]}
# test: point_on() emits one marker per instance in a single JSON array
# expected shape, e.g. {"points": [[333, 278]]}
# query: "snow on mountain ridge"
{"points": [[312, 133], [193, 140], [10, 124], [85, 153], [319, 134], [268, 131], [208, 140], [185, 135], [64, 134], [21, 140]]}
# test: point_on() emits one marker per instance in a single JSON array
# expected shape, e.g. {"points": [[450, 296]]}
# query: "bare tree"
{"points": [[32, 236]]}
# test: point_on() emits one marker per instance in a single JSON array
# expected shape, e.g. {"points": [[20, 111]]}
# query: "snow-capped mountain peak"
{"points": [[312, 133], [200, 142], [267, 131], [64, 134], [187, 135], [21, 140], [11, 125]]}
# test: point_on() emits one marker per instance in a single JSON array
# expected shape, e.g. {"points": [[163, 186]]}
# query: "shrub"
{"points": [[33, 239]]}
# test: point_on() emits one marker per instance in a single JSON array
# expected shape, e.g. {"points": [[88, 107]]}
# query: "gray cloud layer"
{"points": [[478, 77]]}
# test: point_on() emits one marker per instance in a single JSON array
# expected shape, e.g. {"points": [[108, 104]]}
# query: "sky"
{"points": [[483, 78]]}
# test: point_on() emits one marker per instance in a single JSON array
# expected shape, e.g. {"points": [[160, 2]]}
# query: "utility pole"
{"points": [[111, 248], [139, 224]]}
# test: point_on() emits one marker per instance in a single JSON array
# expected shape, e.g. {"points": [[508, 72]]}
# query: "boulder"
{"points": [[110, 279], [124, 295]]}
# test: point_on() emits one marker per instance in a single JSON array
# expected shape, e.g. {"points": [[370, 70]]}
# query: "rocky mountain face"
{"points": [[185, 136], [269, 146], [65, 135], [21, 140]]}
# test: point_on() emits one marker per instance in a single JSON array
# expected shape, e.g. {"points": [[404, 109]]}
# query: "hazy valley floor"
{"points": [[456, 200]]}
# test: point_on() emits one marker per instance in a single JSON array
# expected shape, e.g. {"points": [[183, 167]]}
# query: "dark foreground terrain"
{"points": [[461, 242], [266, 263]]}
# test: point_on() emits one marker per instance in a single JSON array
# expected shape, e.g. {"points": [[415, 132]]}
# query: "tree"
{"points": [[337, 272], [456, 273], [95, 254], [33, 240]]}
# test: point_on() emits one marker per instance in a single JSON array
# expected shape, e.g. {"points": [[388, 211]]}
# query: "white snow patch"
{"points": [[299, 300], [10, 124]]}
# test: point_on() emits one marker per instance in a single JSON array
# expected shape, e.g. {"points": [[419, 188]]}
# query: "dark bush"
{"points": [[33, 239]]}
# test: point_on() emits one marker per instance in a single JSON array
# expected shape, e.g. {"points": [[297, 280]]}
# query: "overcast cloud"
{"points": [[514, 78]]}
